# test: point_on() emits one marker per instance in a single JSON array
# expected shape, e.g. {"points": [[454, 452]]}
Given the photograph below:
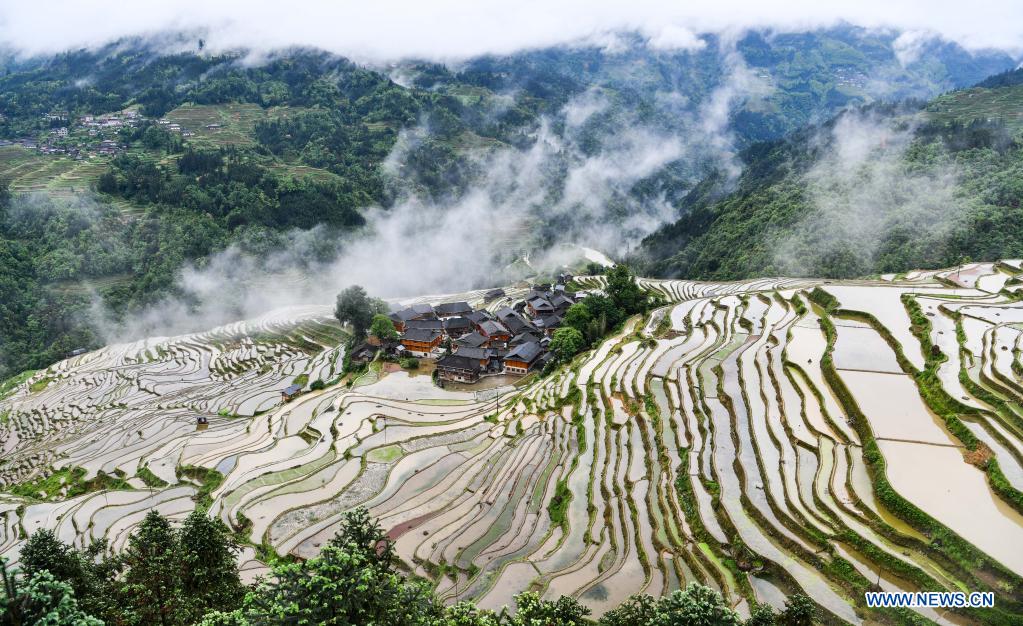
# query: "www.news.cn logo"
{"points": [[931, 599]]}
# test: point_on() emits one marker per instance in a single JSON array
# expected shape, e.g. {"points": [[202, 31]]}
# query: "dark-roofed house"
{"points": [[548, 323], [504, 312], [516, 324], [524, 337], [402, 318], [365, 352], [543, 360], [452, 309], [472, 340], [423, 310], [430, 324], [521, 359], [562, 302], [539, 307], [421, 342], [459, 368], [494, 331], [477, 317], [455, 327], [290, 392], [480, 354], [493, 294]]}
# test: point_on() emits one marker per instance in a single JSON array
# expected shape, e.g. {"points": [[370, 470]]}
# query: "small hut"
{"points": [[202, 423], [290, 392]]}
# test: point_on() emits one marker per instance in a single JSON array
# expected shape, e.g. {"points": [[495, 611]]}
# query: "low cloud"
{"points": [[863, 193], [449, 30], [421, 246]]}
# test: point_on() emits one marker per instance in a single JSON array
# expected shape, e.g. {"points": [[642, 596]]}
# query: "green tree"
{"points": [[208, 561], [533, 611], [578, 317], [761, 615], [468, 614], [355, 308], [623, 291], [696, 605], [41, 600], [90, 575], [638, 610], [566, 343], [44, 552], [351, 582], [383, 328], [799, 611], [152, 582]]}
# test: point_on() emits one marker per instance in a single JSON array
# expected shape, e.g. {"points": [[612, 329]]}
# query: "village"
{"points": [[90, 136], [468, 344]]}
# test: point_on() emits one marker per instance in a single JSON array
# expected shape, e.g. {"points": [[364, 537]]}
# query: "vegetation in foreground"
{"points": [[177, 577]]}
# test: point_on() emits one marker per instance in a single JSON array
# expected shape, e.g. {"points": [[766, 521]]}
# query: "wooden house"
{"points": [[459, 368], [522, 358], [421, 342]]}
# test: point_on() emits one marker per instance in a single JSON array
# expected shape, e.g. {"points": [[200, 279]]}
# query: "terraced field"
{"points": [[30, 171], [234, 122], [761, 437]]}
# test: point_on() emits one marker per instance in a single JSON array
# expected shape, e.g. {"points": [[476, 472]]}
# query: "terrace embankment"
{"points": [[761, 437]]}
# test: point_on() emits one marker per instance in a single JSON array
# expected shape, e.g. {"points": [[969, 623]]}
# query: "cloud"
{"points": [[864, 194], [388, 30], [424, 247]]}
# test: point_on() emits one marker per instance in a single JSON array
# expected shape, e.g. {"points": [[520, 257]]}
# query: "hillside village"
{"points": [[468, 344], [89, 135]]}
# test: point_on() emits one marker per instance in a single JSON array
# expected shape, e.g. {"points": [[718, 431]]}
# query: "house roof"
{"points": [[457, 322], [473, 340], [518, 325], [365, 348], [424, 324], [480, 354], [479, 316], [494, 293], [459, 362], [525, 352], [403, 315], [423, 308], [491, 327], [504, 312], [292, 389], [541, 304], [561, 300], [523, 337], [425, 335], [452, 308], [549, 321]]}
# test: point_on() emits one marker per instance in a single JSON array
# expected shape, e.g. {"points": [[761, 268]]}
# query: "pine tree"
{"points": [[209, 572], [152, 584]]}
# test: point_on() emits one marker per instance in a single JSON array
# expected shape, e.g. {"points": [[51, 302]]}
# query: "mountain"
{"points": [[872, 191], [193, 155]]}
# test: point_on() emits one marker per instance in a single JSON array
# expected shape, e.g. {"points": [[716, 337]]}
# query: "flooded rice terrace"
{"points": [[772, 436]]}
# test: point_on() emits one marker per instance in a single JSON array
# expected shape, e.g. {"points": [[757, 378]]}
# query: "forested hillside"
{"points": [[224, 149], [877, 190]]}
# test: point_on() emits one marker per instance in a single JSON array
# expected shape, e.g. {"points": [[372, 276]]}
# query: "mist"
{"points": [[863, 193], [447, 30], [508, 224]]}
